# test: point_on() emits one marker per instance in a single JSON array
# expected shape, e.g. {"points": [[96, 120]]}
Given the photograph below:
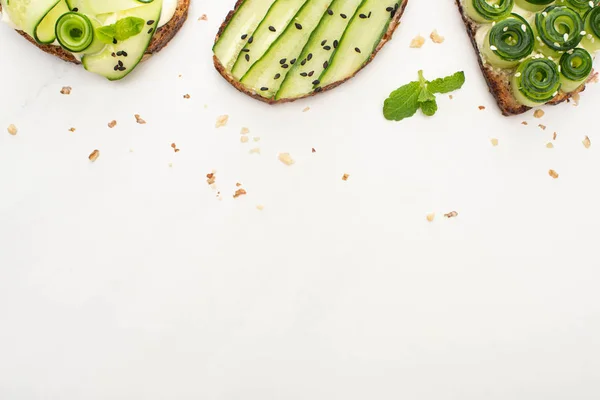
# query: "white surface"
{"points": [[128, 279]]}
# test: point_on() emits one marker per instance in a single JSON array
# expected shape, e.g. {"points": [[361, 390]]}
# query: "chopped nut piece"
{"points": [[186, 96], [203, 17], [174, 147], [549, 145], [244, 139], [313, 150], [450, 97], [286, 158], [345, 177], [12, 129], [94, 156], [260, 207], [417, 42], [538, 113], [139, 119], [542, 127], [587, 142], [553, 174], [255, 150], [71, 129], [244, 131], [221, 121], [238, 184], [112, 124], [66, 90], [524, 123], [211, 178], [481, 107], [238, 193], [494, 142], [430, 217], [436, 37], [451, 214], [306, 109]]}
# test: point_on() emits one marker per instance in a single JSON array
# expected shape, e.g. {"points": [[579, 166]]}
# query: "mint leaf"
{"points": [[403, 102], [425, 95], [128, 27], [447, 84], [429, 107], [106, 34]]}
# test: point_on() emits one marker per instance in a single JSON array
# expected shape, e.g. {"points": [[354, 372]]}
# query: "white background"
{"points": [[128, 279]]}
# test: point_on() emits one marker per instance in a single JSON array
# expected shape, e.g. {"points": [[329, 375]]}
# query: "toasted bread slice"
{"points": [[161, 38], [239, 86], [499, 81]]}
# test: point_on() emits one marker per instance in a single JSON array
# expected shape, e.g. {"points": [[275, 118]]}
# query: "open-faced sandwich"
{"points": [[283, 50], [108, 37], [533, 52]]}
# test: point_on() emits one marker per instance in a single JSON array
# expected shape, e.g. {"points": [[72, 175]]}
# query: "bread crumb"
{"points": [[170, 165], [451, 214], [587, 142], [203, 17], [174, 147], [436, 37], [112, 123], [186, 96], [417, 42], [313, 150], [553, 174], [494, 142], [12, 129], [306, 109], [260, 207], [481, 107], [244, 139], [211, 178], [66, 90], [238, 184], [72, 129], [255, 150], [256, 138], [554, 136], [94, 156], [450, 96], [238, 193], [139, 119], [221, 121], [538, 113], [286, 158], [179, 76], [542, 127], [575, 97], [244, 131], [345, 177], [524, 123], [549, 145], [430, 217]]}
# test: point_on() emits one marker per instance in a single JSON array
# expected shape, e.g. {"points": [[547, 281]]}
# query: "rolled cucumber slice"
{"points": [[271, 27], [267, 74], [321, 46], [360, 39], [117, 60], [239, 29], [27, 14], [44, 31], [96, 7]]}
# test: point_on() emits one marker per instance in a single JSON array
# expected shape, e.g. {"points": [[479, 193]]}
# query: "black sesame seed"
{"points": [[277, 76], [114, 41], [327, 48], [251, 39], [150, 31], [335, 44], [303, 74], [120, 63], [318, 89], [311, 73], [292, 61], [298, 26], [150, 22], [116, 67], [124, 53], [323, 42], [396, 6], [247, 57], [119, 53], [362, 16], [330, 12], [122, 68], [284, 66], [309, 56], [393, 13], [369, 16], [282, 61], [246, 50], [264, 88], [325, 64], [316, 82], [356, 49], [244, 36], [272, 29], [343, 16], [303, 62], [389, 9], [75, 9]]}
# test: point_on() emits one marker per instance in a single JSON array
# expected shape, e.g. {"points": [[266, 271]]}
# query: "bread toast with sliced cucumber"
{"points": [[141, 35], [283, 50], [526, 59]]}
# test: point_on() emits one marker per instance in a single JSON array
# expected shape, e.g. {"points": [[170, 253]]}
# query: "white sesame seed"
{"points": [[524, 28], [591, 3], [583, 33], [566, 37], [518, 74], [493, 48], [554, 94]]}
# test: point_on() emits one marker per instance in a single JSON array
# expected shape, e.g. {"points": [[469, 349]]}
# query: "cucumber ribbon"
{"points": [[536, 81], [74, 32]]}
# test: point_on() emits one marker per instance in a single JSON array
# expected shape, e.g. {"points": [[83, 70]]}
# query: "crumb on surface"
{"points": [[554, 136], [72, 129], [238, 193], [306, 109], [237, 184], [542, 127], [221, 121], [66, 90], [255, 150], [256, 138], [313, 150], [553, 174], [94, 155], [345, 177], [244, 131], [451, 214], [113, 123], [539, 113], [524, 123], [494, 142], [549, 145], [139, 119], [286, 158], [211, 178], [436, 37], [186, 96], [430, 217], [244, 139], [260, 207], [417, 42], [450, 96], [481, 107], [203, 17], [12, 129], [587, 143], [170, 165], [174, 147]]}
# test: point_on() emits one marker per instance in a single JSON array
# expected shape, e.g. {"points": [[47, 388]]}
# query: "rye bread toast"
{"points": [[499, 81], [236, 84], [161, 38]]}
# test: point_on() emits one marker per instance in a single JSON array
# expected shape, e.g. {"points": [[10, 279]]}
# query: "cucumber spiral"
{"points": [[533, 5], [488, 10], [508, 42], [580, 5], [559, 29], [591, 40], [74, 32], [536, 81], [575, 67]]}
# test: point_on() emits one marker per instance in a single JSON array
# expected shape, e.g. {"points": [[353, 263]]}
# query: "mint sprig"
{"points": [[406, 100], [121, 30]]}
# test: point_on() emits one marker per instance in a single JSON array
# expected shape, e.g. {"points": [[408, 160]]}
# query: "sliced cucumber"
{"points": [[119, 59], [360, 39], [96, 7], [27, 14], [321, 47], [271, 27], [44, 31], [241, 26], [267, 74]]}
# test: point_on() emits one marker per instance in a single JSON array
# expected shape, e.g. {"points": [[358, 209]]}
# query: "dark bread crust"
{"points": [[499, 83], [161, 38], [236, 84]]}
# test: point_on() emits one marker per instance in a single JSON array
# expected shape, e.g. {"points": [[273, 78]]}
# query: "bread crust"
{"points": [[239, 86], [499, 82], [161, 38]]}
